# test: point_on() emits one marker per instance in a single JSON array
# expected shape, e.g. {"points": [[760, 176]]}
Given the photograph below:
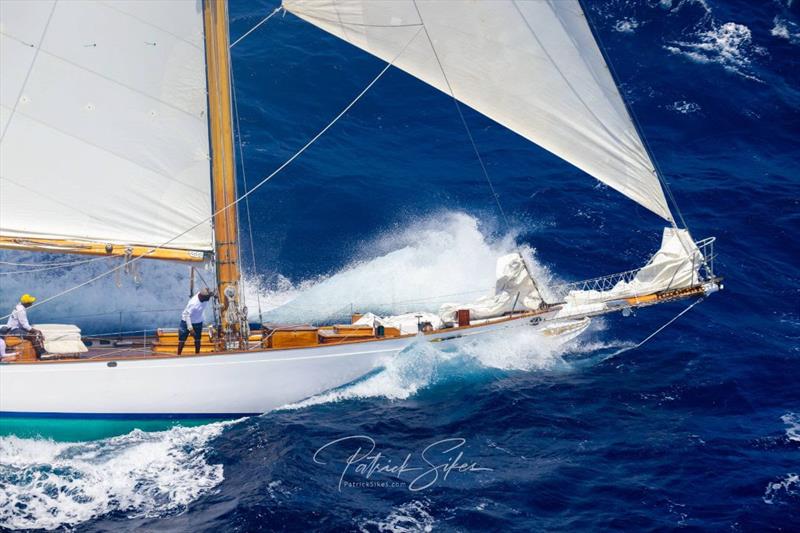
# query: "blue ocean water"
{"points": [[699, 429]]}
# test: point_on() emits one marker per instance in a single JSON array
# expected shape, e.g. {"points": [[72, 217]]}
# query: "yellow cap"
{"points": [[27, 299]]}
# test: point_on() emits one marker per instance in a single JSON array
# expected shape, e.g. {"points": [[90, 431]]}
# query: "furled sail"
{"points": [[103, 123], [530, 65]]}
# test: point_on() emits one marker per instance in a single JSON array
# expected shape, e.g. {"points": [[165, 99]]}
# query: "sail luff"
{"points": [[223, 174], [633, 120]]}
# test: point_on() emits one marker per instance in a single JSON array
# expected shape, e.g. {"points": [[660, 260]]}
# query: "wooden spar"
{"points": [[215, 18], [96, 248]]}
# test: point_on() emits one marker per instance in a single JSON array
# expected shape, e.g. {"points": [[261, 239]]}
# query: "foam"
{"points": [[411, 516], [729, 45], [424, 364], [47, 485], [683, 107], [785, 490], [626, 25], [792, 421], [785, 29]]}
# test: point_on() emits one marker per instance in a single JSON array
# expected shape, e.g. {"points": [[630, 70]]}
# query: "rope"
{"points": [[245, 195], [254, 28], [51, 266], [56, 263], [464, 122], [247, 201], [659, 330]]}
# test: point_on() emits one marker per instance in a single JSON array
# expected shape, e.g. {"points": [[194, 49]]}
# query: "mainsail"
{"points": [[103, 124], [532, 66]]}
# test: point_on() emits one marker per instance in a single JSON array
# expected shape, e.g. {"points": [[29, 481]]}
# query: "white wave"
{"points": [[729, 45], [683, 107], [668, 4], [785, 29], [47, 485], [413, 516], [425, 364], [428, 262], [792, 421], [785, 490], [628, 25]]}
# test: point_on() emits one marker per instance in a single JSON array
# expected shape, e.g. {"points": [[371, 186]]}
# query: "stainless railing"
{"points": [[705, 272]]}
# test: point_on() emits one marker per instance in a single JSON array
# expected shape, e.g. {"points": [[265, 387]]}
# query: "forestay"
{"points": [[103, 122], [532, 66]]}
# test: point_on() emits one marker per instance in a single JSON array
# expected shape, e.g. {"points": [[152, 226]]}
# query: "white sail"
{"points": [[532, 66], [103, 122]]}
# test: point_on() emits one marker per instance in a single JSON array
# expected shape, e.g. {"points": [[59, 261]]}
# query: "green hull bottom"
{"points": [[78, 429]]}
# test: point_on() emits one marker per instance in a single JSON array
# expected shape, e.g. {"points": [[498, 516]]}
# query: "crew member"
{"points": [[18, 324], [192, 319]]}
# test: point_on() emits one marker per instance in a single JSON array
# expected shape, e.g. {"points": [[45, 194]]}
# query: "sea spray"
{"points": [[445, 257], [441, 259], [423, 364]]}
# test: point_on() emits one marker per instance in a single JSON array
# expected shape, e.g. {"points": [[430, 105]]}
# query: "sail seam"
{"points": [[343, 24], [30, 69], [635, 121], [68, 206], [143, 21], [112, 80], [246, 194], [105, 150], [563, 77], [463, 120], [572, 88]]}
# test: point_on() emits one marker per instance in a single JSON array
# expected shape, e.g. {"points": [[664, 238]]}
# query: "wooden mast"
{"points": [[223, 178]]}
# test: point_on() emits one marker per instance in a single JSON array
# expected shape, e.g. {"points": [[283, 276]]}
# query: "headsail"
{"points": [[103, 124], [532, 66]]}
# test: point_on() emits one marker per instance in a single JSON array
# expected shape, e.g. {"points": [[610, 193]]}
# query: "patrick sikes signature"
{"points": [[357, 453]]}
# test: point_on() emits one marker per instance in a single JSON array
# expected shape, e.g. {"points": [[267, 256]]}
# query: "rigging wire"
{"points": [[659, 330], [634, 119], [49, 266], [54, 263], [247, 200], [247, 193], [464, 122], [254, 28]]}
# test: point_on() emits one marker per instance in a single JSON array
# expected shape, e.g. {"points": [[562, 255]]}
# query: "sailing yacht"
{"points": [[116, 140]]}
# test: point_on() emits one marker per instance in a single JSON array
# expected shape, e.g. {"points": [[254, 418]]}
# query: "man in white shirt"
{"points": [[192, 319], [18, 324]]}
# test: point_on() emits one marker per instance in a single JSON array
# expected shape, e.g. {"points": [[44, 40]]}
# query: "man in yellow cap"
{"points": [[18, 324]]}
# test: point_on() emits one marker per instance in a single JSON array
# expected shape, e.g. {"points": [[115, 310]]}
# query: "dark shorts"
{"points": [[183, 330]]}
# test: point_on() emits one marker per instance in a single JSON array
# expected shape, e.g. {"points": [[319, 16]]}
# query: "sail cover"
{"points": [[103, 122], [530, 65]]}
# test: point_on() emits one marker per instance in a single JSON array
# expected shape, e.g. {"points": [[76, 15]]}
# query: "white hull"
{"points": [[231, 384]]}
